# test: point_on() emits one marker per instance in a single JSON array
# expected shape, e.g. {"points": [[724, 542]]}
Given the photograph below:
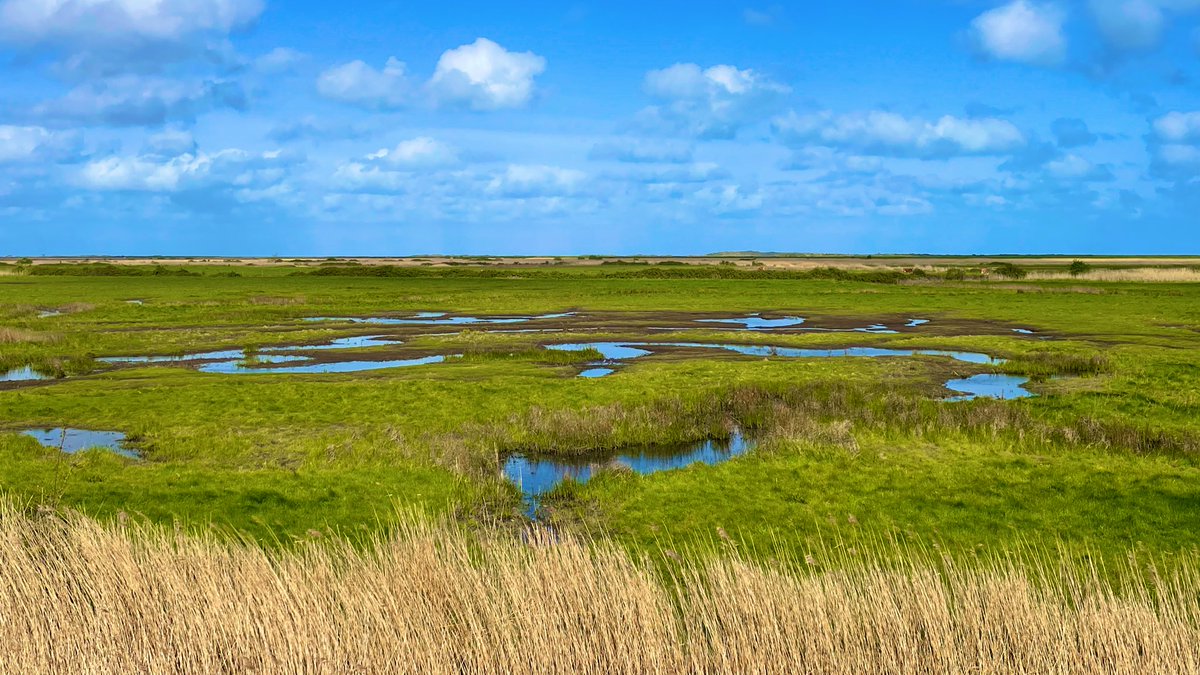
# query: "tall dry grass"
{"points": [[77, 596], [1148, 274]]}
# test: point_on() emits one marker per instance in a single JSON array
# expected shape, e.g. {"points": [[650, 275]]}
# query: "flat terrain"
{"points": [[847, 448]]}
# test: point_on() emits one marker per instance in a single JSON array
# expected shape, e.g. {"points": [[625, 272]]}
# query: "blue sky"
{"points": [[251, 127]]}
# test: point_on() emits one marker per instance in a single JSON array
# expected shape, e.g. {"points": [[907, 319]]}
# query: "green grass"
{"points": [[1107, 454]]}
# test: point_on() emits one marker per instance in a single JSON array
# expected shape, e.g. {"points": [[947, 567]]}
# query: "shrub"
{"points": [[1008, 270], [1078, 267]]}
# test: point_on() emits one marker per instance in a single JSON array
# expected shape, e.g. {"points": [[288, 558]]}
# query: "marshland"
{"points": [[333, 465]]}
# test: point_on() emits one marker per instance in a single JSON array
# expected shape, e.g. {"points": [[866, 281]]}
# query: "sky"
{"points": [[258, 127]]}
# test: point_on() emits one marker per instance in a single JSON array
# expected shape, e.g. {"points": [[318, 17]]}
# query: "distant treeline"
{"points": [[651, 272]]}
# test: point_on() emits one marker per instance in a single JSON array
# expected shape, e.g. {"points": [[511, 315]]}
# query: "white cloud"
{"points": [[35, 144], [1021, 31], [359, 84], [481, 76], [367, 178], [1178, 127], [709, 102], [150, 173], [884, 133], [535, 180], [1074, 167], [485, 76], [132, 100], [1179, 155], [66, 21], [1174, 145], [99, 38], [421, 152]]}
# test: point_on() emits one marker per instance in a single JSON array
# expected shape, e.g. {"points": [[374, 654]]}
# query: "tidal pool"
{"points": [[536, 476], [72, 441], [354, 342], [202, 356], [244, 367], [990, 386], [22, 375], [756, 322], [913, 323], [615, 352], [439, 319]]}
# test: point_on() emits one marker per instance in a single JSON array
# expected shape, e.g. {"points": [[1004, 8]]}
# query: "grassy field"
{"points": [[1105, 458]]}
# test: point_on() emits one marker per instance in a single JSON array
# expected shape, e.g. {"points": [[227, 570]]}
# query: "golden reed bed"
{"points": [[80, 597]]}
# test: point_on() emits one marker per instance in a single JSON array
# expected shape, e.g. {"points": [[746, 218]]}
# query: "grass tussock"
{"points": [[830, 410], [77, 596], [9, 336]]}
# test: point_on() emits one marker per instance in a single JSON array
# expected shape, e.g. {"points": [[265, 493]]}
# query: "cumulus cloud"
{"points": [[151, 173], [709, 102], [112, 36], [1174, 145], [393, 170], [889, 134], [641, 151], [1074, 167], [421, 152], [1021, 31], [485, 76], [480, 76], [36, 144], [1178, 127], [132, 100], [535, 180], [359, 84], [38, 21]]}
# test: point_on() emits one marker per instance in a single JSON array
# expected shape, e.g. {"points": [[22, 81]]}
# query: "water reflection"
{"points": [[989, 386], [244, 367], [621, 351], [536, 476], [756, 322], [22, 375], [72, 441]]}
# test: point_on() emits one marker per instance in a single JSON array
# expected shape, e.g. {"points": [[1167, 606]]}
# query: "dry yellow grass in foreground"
{"points": [[76, 596]]}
